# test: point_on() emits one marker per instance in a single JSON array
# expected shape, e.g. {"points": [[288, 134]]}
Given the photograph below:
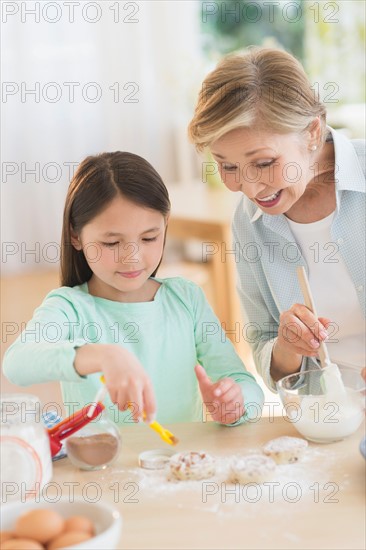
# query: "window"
{"points": [[233, 25]]}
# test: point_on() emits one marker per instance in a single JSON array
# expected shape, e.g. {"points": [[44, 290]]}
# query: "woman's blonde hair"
{"points": [[260, 88]]}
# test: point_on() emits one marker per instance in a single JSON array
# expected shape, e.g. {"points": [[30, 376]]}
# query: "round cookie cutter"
{"points": [[155, 459]]}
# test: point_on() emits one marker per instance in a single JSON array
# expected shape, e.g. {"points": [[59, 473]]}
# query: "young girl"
{"points": [[113, 316]]}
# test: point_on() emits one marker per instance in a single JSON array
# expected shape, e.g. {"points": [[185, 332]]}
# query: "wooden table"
{"points": [[204, 213], [317, 503]]}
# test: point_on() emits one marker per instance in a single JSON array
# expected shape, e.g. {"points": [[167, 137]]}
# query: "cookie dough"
{"points": [[255, 468], [191, 465], [285, 450]]}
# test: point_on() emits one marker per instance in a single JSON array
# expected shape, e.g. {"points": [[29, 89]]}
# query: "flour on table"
{"points": [[300, 483]]}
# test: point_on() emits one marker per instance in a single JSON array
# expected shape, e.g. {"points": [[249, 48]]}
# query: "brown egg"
{"points": [[21, 544], [79, 523], [68, 539], [41, 525], [6, 535]]}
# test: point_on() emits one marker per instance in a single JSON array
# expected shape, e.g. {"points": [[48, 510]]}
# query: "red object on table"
{"points": [[70, 425]]}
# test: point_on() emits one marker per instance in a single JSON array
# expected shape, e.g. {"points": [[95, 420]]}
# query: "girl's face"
{"points": [[272, 170], [123, 246]]}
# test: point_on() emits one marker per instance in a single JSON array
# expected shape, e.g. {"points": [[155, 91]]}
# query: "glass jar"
{"points": [[96, 445], [26, 464]]}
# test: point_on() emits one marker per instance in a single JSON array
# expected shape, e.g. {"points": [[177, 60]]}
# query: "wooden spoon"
{"points": [[331, 376]]}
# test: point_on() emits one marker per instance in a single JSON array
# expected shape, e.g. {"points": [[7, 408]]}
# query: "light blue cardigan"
{"points": [[269, 255]]}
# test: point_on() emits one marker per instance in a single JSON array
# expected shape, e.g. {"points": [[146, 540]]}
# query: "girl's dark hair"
{"points": [[97, 181]]}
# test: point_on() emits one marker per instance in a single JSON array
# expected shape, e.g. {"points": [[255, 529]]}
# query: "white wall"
{"points": [[151, 51]]}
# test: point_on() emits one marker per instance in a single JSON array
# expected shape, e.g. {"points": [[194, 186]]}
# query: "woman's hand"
{"points": [[299, 335], [126, 381], [300, 331], [223, 398]]}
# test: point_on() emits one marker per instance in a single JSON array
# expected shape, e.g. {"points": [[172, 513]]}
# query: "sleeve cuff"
{"points": [[265, 359], [306, 363], [69, 374]]}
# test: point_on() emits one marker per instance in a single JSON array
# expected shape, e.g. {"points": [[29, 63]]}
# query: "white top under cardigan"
{"points": [[334, 293]]}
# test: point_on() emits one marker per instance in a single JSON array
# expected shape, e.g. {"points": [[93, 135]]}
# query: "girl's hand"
{"points": [[223, 398], [126, 381]]}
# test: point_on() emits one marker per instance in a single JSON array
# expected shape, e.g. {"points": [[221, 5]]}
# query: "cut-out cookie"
{"points": [[254, 468], [191, 465], [285, 450]]}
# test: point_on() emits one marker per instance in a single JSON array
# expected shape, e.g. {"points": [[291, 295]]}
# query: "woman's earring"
{"points": [[313, 147]]}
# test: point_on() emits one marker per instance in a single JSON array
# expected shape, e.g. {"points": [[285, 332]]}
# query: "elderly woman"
{"points": [[303, 203]]}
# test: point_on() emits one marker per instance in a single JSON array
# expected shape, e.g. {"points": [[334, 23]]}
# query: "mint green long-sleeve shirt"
{"points": [[169, 335]]}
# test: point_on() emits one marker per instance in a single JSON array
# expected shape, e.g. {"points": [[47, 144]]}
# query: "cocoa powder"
{"points": [[93, 450]]}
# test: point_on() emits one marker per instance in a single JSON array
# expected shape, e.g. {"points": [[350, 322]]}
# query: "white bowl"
{"points": [[319, 415], [106, 519]]}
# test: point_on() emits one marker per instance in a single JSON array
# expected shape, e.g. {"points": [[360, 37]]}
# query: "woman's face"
{"points": [[272, 170]]}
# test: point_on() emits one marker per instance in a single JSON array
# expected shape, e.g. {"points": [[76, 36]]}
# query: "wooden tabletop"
{"points": [[318, 503]]}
